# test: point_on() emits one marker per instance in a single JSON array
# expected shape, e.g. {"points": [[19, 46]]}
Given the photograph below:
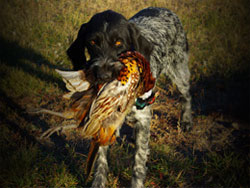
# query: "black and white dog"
{"points": [[157, 34]]}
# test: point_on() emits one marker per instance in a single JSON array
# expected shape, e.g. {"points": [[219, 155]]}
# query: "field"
{"points": [[34, 37]]}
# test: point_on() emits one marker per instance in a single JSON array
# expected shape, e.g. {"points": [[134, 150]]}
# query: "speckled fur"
{"points": [[163, 29]]}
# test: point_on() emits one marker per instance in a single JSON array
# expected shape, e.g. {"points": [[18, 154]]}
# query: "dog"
{"points": [[158, 35]]}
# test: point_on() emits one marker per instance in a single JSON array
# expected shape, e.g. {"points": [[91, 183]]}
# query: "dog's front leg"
{"points": [[142, 132], [100, 177]]}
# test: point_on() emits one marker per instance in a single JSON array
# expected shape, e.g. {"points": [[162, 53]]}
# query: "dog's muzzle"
{"points": [[105, 69]]}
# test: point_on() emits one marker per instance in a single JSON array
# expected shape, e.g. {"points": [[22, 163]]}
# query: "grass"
{"points": [[34, 37]]}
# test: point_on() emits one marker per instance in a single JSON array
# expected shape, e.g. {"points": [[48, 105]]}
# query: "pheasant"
{"points": [[100, 110]]}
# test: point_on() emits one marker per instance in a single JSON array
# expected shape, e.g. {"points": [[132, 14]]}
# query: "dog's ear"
{"points": [[76, 51], [140, 43]]}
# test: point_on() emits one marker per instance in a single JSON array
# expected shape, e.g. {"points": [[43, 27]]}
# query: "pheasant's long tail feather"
{"points": [[94, 147]]}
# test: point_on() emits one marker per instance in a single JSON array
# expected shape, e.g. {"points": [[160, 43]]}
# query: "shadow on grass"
{"points": [[227, 100], [226, 96], [17, 120], [59, 150], [12, 55]]}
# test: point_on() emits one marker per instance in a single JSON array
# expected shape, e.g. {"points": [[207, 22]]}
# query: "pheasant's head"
{"points": [[135, 62]]}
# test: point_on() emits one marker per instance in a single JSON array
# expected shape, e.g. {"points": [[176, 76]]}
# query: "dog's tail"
{"points": [[94, 147]]}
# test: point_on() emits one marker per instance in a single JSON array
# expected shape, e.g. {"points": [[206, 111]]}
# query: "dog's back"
{"points": [[163, 29]]}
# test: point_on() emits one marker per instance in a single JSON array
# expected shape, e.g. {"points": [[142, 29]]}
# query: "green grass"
{"points": [[223, 170], [34, 36], [24, 165]]}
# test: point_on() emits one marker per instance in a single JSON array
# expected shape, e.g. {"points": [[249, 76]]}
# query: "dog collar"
{"points": [[142, 103]]}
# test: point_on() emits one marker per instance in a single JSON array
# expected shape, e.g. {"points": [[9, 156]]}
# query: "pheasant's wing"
{"points": [[80, 108], [103, 109], [107, 102], [75, 82]]}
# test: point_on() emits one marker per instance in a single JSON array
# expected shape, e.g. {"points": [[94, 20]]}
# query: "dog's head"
{"points": [[106, 36]]}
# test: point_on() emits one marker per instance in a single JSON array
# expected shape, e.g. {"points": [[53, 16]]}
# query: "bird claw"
{"points": [[34, 110], [46, 111], [59, 129], [49, 132]]}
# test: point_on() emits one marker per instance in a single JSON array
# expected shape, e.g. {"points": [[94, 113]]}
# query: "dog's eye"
{"points": [[92, 42], [118, 43]]}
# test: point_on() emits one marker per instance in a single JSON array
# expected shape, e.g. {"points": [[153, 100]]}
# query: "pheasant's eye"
{"points": [[118, 43]]}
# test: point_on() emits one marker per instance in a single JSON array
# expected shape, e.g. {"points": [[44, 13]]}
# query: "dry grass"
{"points": [[34, 36]]}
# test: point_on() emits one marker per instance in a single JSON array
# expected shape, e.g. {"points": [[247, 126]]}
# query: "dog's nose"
{"points": [[106, 69], [103, 77]]}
